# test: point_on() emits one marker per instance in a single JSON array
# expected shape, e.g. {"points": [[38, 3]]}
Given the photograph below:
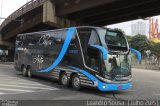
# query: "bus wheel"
{"points": [[64, 79], [76, 82], [29, 72], [24, 71]]}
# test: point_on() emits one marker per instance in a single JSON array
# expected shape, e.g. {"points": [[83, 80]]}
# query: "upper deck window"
{"points": [[114, 40]]}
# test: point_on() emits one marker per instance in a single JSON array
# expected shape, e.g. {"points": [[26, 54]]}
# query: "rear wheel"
{"points": [[29, 72], [64, 79], [76, 82], [24, 71]]}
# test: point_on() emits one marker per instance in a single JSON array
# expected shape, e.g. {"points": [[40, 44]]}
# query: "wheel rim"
{"points": [[29, 73], [24, 71], [76, 82], [64, 80]]}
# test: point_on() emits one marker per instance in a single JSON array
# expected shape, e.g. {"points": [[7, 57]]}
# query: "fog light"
{"points": [[104, 86]]}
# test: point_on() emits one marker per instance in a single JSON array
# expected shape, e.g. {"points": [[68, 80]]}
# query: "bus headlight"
{"points": [[104, 86], [130, 80]]}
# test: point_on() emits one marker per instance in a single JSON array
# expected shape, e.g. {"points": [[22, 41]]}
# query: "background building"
{"points": [[139, 28]]}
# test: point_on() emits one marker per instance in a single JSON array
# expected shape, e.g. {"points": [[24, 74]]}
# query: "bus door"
{"points": [[91, 55]]}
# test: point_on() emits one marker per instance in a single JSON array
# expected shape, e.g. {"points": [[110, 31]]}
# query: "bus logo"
{"points": [[39, 60], [45, 40]]}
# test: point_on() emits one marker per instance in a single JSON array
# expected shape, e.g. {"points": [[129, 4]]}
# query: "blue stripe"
{"points": [[67, 41], [108, 87], [136, 52], [103, 50], [90, 76]]}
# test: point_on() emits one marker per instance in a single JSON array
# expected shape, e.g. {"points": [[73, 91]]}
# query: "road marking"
{"points": [[18, 80], [13, 93], [23, 92], [18, 84], [8, 89], [21, 83], [157, 94], [27, 86], [4, 76], [2, 93], [10, 68], [9, 77], [14, 85]]}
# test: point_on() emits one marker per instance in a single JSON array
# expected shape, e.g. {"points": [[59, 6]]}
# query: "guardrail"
{"points": [[22, 10]]}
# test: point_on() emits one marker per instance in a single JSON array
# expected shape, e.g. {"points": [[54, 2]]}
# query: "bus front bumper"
{"points": [[114, 87]]}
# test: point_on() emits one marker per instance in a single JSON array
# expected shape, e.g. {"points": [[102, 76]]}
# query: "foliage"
{"points": [[129, 38], [139, 42], [155, 49], [120, 30]]}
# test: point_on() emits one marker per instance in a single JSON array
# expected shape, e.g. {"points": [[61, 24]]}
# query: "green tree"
{"points": [[129, 38], [120, 30], [155, 49], [140, 42]]}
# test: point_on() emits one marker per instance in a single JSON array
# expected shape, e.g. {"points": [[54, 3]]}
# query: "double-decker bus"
{"points": [[78, 56]]}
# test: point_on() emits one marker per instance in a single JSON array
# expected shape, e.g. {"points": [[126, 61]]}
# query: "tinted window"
{"points": [[19, 41], [115, 39], [45, 38], [88, 36], [33, 39], [93, 40]]}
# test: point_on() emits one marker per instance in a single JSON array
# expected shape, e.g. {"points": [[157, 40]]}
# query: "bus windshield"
{"points": [[119, 60], [118, 65], [114, 40]]}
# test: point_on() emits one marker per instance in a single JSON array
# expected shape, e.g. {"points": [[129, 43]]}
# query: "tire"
{"points": [[64, 79], [76, 84], [24, 71], [29, 72]]}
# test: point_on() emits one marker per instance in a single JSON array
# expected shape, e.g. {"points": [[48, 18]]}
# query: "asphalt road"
{"points": [[13, 86]]}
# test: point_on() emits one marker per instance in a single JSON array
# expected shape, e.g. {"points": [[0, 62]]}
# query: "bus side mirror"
{"points": [[139, 57], [103, 51], [92, 51]]}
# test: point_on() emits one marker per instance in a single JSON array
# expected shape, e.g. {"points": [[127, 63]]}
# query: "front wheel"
{"points": [[76, 82]]}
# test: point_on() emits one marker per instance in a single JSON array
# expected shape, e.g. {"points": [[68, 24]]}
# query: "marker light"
{"points": [[120, 87]]}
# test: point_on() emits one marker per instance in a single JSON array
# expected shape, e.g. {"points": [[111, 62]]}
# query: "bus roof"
{"points": [[63, 29]]}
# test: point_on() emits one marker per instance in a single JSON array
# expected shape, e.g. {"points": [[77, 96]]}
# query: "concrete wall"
{"points": [[49, 17]]}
